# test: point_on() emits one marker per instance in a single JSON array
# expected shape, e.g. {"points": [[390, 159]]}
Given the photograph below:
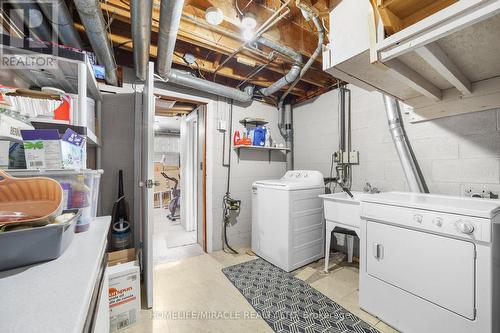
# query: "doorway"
{"points": [[178, 149]]}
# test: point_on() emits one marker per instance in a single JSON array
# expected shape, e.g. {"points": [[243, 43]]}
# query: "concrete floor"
{"points": [[170, 241], [196, 285]]}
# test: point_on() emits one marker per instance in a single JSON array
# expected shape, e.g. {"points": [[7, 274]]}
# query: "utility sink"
{"points": [[343, 210]]}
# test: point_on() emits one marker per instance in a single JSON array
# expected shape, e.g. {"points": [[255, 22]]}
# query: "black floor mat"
{"points": [[289, 304]]}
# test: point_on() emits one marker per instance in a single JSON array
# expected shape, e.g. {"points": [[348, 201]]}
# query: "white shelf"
{"points": [[63, 76], [269, 150], [92, 138], [10, 128], [443, 65], [260, 148]]}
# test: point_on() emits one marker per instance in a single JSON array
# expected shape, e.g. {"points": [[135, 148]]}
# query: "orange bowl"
{"points": [[33, 199]]}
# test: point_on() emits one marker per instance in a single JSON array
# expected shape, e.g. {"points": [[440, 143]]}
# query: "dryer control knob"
{"points": [[438, 221], [465, 227]]}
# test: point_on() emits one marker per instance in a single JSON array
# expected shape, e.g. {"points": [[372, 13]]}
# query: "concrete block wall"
{"points": [[455, 153], [249, 167]]}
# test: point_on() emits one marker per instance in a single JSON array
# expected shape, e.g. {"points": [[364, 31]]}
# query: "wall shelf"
{"points": [[92, 139], [238, 149], [66, 75], [253, 121], [10, 128]]}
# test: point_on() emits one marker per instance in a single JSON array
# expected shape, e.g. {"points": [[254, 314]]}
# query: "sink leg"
{"points": [[328, 238], [350, 247]]}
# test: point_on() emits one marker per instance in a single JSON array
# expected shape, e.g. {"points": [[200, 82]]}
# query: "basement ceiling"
{"points": [[211, 45]]}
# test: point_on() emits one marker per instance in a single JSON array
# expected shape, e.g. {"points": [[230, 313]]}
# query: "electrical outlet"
{"points": [[354, 157], [222, 125]]}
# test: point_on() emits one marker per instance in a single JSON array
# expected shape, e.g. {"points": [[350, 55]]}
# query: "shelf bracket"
{"points": [[434, 55]]}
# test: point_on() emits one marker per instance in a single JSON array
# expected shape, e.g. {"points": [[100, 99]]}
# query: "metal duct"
{"points": [[95, 27], [289, 78], [317, 52], [409, 163], [57, 12], [286, 129], [25, 14], [185, 79], [141, 11], [170, 19], [170, 16], [285, 50], [294, 72]]}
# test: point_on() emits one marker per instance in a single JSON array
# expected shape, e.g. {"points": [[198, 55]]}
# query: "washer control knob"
{"points": [[465, 227], [417, 218], [438, 221]]}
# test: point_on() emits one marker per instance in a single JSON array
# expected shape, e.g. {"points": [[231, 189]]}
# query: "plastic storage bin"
{"points": [[29, 246], [80, 190]]}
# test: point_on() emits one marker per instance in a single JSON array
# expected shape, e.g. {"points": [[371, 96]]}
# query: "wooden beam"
{"points": [[205, 64], [196, 34], [392, 23], [434, 55], [414, 80]]}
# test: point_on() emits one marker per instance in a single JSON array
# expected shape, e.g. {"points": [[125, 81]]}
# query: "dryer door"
{"points": [[438, 269]]}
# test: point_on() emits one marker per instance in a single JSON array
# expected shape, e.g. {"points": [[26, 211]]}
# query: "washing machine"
{"points": [[287, 219], [431, 263]]}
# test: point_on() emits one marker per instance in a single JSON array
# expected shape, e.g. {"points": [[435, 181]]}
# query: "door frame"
{"points": [[211, 106]]}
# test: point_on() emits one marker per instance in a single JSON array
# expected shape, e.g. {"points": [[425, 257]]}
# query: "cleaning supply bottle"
{"points": [[236, 137]]}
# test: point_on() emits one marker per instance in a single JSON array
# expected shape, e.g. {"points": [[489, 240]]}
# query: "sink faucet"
{"points": [[339, 183], [370, 189]]}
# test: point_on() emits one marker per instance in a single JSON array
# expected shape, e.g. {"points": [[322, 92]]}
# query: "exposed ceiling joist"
{"points": [[191, 31]]}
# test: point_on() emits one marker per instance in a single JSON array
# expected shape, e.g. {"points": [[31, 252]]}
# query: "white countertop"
{"points": [[54, 296]]}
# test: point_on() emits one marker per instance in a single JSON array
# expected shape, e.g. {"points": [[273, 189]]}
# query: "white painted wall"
{"points": [[454, 153], [252, 166]]}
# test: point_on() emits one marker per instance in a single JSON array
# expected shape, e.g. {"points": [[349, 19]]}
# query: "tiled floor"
{"points": [[170, 241], [196, 286]]}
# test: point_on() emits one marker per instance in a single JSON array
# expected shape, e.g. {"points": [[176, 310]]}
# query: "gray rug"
{"points": [[289, 304]]}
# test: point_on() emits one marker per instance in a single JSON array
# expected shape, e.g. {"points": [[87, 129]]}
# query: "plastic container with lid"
{"points": [[80, 188]]}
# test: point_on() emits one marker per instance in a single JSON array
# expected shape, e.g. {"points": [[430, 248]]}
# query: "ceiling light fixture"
{"points": [[248, 21], [214, 16], [248, 34]]}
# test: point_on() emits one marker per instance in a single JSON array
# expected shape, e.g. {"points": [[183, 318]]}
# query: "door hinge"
{"points": [[201, 165]]}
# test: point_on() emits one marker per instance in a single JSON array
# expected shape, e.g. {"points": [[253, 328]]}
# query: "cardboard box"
{"points": [[124, 289], [44, 149]]}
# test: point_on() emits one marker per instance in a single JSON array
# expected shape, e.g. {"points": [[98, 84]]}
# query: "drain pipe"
{"points": [[288, 129], [286, 123], [141, 12], [408, 160], [294, 72], [62, 22], [95, 27]]}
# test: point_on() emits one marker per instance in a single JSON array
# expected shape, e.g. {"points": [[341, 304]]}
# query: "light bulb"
{"points": [[214, 16], [248, 34], [248, 21]]}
